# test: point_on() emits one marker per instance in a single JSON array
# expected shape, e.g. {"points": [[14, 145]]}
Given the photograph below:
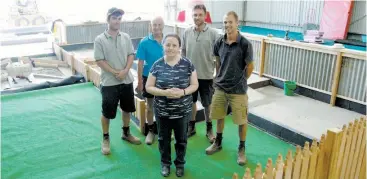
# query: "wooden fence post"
{"points": [[262, 57], [332, 145], [360, 151], [337, 71], [320, 159], [305, 160]]}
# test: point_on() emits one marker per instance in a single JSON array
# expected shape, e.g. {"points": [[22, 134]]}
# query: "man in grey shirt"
{"points": [[197, 46], [114, 53]]}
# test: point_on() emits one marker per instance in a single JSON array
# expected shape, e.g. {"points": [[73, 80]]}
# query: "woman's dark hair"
{"points": [[174, 36]]}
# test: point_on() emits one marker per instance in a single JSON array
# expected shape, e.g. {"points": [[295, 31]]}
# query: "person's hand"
{"points": [[140, 85], [176, 93], [115, 72], [122, 74], [169, 93]]}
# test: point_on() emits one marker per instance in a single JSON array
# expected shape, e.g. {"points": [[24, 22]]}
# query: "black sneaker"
{"points": [[180, 172], [191, 131]]}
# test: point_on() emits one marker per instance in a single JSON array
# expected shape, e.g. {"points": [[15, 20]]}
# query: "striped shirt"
{"points": [[177, 76]]}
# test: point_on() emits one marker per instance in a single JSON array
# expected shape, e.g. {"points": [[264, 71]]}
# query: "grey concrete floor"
{"points": [[303, 115]]}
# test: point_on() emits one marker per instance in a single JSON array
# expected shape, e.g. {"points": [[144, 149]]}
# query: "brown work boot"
{"points": [[191, 131], [215, 147], [150, 138], [128, 137], [106, 146], [241, 157]]}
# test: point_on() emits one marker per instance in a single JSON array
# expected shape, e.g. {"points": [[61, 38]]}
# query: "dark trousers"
{"points": [[179, 127]]}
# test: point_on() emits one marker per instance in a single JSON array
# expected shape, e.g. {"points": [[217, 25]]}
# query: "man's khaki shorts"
{"points": [[238, 102]]}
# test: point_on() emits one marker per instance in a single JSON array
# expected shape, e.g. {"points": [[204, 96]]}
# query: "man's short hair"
{"points": [[200, 6], [234, 14]]}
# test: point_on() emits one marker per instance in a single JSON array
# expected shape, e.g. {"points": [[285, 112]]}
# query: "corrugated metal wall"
{"points": [[86, 33], [168, 29], [358, 20], [310, 68], [352, 82], [283, 15], [293, 15], [256, 47], [279, 15], [217, 9]]}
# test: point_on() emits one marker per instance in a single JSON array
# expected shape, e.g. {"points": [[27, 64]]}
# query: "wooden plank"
{"points": [[313, 160], [258, 172], [288, 166], [320, 160], [235, 176], [297, 163], [358, 150], [247, 174], [336, 78], [262, 57], [356, 54], [279, 167], [72, 65], [362, 174], [48, 61], [335, 154], [57, 50], [81, 67], [361, 168], [94, 76], [305, 160], [347, 149], [301, 45], [352, 149], [340, 155], [269, 169], [37, 64], [87, 76], [140, 113], [254, 37], [48, 76], [66, 56], [329, 144], [52, 65]]}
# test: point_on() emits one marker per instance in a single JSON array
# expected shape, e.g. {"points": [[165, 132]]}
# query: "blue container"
{"points": [[364, 38]]}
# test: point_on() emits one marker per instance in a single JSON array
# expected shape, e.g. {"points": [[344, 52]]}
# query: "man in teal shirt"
{"points": [[149, 51]]}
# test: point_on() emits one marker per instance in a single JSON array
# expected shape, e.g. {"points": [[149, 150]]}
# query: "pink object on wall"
{"points": [[335, 18]]}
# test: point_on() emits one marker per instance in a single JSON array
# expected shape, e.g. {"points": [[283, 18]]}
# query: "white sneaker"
{"points": [[106, 146], [150, 138]]}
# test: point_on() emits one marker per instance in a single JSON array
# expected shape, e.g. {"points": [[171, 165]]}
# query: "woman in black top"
{"points": [[172, 80]]}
